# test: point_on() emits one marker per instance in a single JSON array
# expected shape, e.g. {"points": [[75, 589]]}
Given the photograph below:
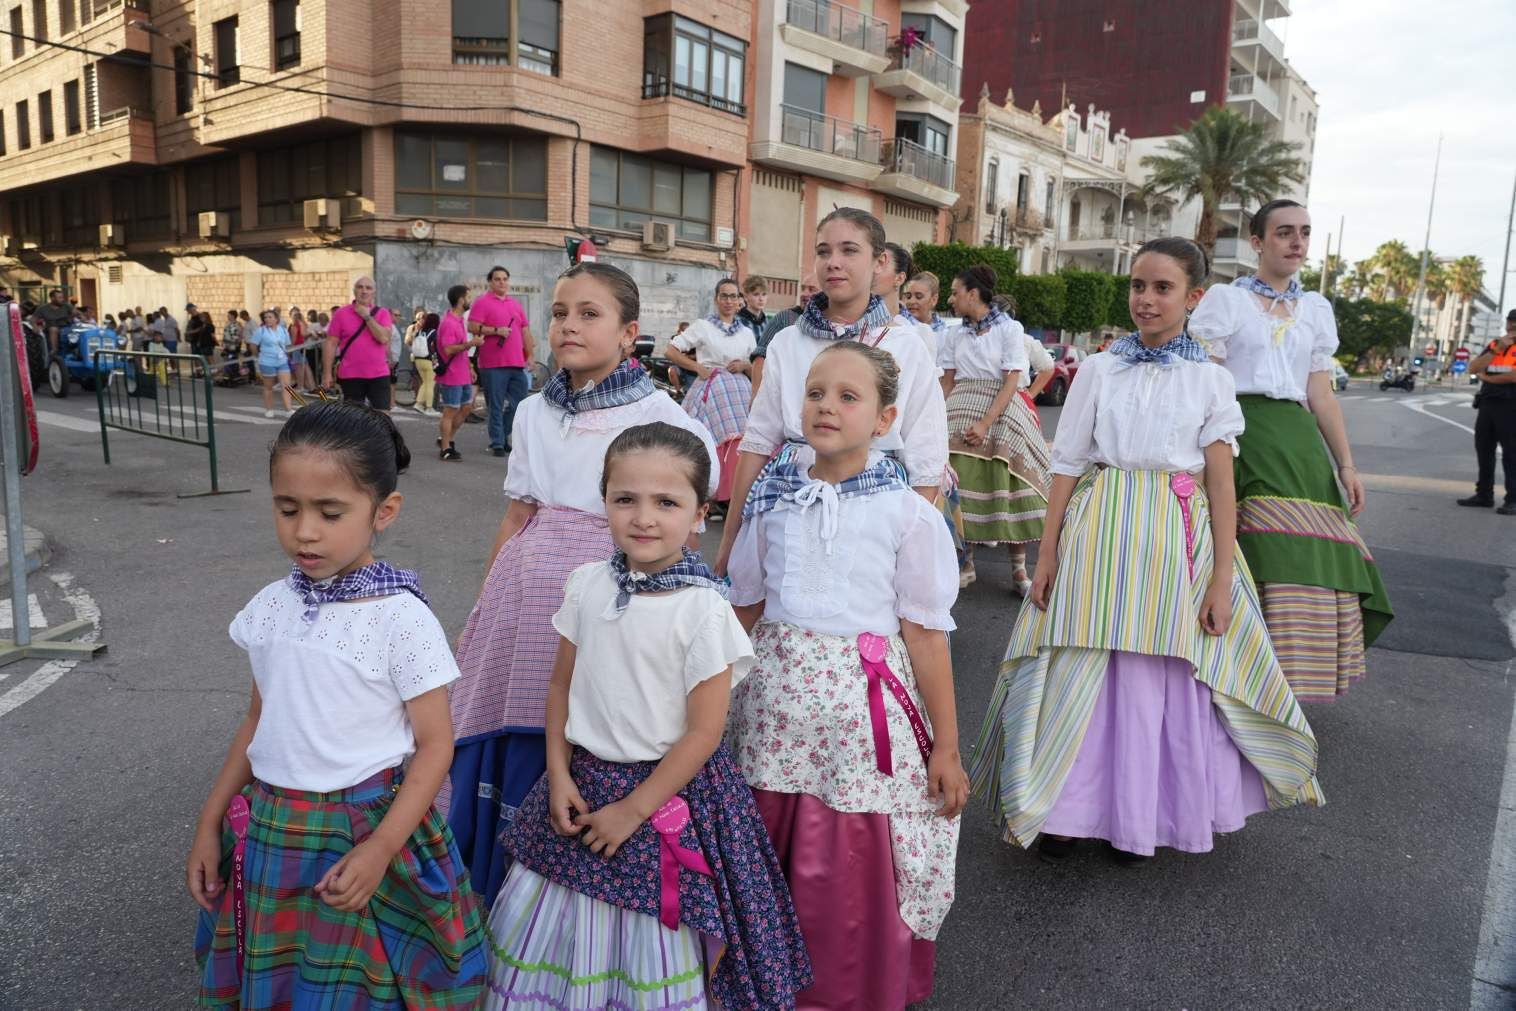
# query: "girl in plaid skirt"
{"points": [[325, 875]]}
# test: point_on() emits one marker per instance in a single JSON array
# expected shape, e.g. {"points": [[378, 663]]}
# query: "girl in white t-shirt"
{"points": [[325, 874], [846, 728], [641, 865]]}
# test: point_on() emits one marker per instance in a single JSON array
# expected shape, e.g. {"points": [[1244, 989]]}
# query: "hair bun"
{"points": [[402, 452]]}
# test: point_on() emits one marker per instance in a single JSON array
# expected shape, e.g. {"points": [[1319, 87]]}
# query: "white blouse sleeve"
{"points": [[1074, 444], [926, 569], [765, 419], [1215, 320], [518, 473], [420, 658], [691, 338], [1013, 357], [745, 567], [566, 618], [1037, 354], [923, 413], [718, 643], [241, 628], [1223, 415], [945, 348], [1324, 343]]}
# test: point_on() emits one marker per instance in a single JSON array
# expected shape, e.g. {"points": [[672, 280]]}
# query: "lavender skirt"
{"points": [[1156, 767]]}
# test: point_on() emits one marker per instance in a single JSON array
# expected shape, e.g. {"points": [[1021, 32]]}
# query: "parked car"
{"points": [[1066, 361], [1339, 377]]}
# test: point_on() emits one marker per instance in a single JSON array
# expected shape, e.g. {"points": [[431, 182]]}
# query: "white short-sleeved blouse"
{"points": [[712, 347], [627, 701], [919, 434], [334, 692], [884, 557], [556, 458], [1145, 417], [1266, 354], [1037, 357], [988, 355]]}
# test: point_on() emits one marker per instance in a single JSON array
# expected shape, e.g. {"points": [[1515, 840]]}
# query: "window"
{"points": [[86, 11], [39, 23], [72, 122], [628, 190], [2, 133], [1047, 213], [228, 71], [502, 177], [23, 125], [81, 216], [66, 21], [140, 204], [804, 88], [940, 35], [687, 59], [213, 185], [991, 185], [184, 80], [18, 35], [45, 118], [1023, 190], [286, 34], [290, 176], [482, 30], [91, 98], [928, 131]]}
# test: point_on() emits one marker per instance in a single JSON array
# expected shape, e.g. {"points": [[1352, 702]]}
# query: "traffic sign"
{"points": [[1460, 366], [1431, 349], [1461, 355]]}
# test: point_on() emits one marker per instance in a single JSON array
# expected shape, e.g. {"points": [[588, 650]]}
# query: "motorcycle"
{"points": [[1394, 380]]}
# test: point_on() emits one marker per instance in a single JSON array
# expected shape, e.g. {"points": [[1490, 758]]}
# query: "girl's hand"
{"points": [[976, 432], [1348, 475], [946, 782], [563, 802], [609, 827], [352, 880], [201, 871], [737, 365], [1216, 608], [703, 371], [1042, 579]]}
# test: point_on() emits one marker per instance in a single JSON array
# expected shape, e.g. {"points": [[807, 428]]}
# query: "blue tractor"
{"points": [[75, 360]]}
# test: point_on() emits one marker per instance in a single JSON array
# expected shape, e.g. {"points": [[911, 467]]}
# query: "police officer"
{"points": [[1496, 422]]}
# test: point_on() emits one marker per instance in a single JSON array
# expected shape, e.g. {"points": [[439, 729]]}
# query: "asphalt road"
{"points": [[1374, 901]]}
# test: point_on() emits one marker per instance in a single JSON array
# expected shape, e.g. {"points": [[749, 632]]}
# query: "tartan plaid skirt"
{"points": [[720, 403], [419, 944]]}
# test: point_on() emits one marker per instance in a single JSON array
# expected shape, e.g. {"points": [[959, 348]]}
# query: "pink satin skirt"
{"points": [[842, 877], [726, 457]]}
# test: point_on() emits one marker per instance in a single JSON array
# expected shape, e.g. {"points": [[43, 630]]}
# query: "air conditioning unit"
{"points": [[215, 225], [658, 236], [112, 235], [7, 245], [321, 213]]}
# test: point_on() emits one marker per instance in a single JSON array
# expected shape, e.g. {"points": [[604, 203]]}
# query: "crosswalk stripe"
{"points": [[67, 421]]}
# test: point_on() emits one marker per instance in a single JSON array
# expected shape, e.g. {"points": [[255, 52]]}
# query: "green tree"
{"points": [[947, 262], [1119, 312], [1367, 325], [1039, 300], [1398, 266], [1221, 157], [1465, 281], [1086, 301]]}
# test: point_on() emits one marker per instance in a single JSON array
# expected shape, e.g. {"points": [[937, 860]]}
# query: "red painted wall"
{"points": [[1141, 59]]}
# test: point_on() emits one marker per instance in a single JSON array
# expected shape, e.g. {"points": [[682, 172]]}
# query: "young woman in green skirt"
{"points": [[1297, 488]]}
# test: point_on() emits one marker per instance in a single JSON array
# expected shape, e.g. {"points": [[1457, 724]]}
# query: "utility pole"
{"points": [[1426, 243], [1505, 265]]}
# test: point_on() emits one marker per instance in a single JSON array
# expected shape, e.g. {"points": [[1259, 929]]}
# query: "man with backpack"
{"points": [[357, 348], [449, 353], [504, 357]]}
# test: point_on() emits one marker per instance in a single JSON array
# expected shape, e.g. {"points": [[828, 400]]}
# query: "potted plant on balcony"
{"points": [[907, 41]]}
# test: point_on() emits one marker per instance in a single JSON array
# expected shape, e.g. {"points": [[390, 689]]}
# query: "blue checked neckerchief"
{"points": [[1258, 286], [787, 480], [813, 322], [624, 386], [1132, 351], [377, 579], [727, 329], [690, 570], [990, 318], [938, 323]]}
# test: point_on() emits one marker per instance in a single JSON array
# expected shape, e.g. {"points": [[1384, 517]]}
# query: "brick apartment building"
{"points": [[243, 153]]}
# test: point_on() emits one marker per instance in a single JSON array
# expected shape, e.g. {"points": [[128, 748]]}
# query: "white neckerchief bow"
{"points": [[825, 493]]}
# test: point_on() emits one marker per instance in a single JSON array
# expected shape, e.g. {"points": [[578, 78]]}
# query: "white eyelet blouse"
{"points": [[1266, 354]]}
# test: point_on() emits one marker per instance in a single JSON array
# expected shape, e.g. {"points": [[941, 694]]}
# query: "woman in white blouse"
{"points": [[994, 438], [1139, 701], [1294, 514], [719, 349]]}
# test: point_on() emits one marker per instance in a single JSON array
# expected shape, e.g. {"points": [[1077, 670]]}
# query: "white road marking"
{"points": [[67, 421], [1421, 409], [33, 611], [1495, 958], [43, 677]]}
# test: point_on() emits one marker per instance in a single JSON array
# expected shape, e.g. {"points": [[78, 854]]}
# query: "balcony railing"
{"points": [[1252, 87], [125, 112], [847, 25], [829, 135], [1251, 30], [925, 60], [658, 86], [1109, 231], [902, 155]]}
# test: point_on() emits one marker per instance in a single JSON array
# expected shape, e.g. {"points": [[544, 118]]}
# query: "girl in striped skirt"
{"points": [[1140, 701], [994, 439], [718, 349], [555, 522], [327, 877]]}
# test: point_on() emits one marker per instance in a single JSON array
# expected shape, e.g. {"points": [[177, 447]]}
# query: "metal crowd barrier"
{"points": [[162, 396]]}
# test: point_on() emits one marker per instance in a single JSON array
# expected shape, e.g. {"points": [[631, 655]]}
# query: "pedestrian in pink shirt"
{"points": [[455, 391], [504, 357], [358, 341]]}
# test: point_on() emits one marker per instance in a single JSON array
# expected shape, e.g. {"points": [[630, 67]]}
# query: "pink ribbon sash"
{"points": [[237, 816], [668, 821], [1183, 487], [873, 649]]}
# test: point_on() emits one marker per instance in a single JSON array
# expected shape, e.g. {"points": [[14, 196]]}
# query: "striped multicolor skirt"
{"points": [[1003, 481], [1134, 566], [419, 943], [1323, 598]]}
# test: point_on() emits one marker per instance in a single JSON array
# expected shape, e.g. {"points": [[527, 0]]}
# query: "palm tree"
{"points": [[1394, 261], [1465, 281], [1436, 285], [1221, 158]]}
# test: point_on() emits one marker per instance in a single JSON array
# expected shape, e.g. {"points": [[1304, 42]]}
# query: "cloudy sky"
{"points": [[1391, 75]]}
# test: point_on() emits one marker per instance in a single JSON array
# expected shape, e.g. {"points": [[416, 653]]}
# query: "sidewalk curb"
{"points": [[39, 551]]}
